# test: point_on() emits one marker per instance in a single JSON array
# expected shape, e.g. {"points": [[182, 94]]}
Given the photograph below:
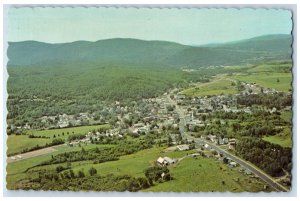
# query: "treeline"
{"points": [[100, 155], [278, 100], [76, 137], [271, 158], [38, 136], [65, 179], [69, 181], [97, 155]]}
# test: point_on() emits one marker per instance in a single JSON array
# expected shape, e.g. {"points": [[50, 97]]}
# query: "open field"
{"points": [[283, 139], [133, 164], [216, 87], [286, 115], [278, 81], [17, 143], [65, 132], [187, 173], [206, 175], [280, 66], [16, 170]]}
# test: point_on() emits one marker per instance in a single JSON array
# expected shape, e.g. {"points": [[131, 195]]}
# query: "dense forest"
{"points": [[35, 92], [277, 100], [153, 53], [50, 79], [269, 157]]}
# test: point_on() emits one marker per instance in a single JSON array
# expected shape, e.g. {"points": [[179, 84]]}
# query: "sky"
{"points": [[185, 26]]}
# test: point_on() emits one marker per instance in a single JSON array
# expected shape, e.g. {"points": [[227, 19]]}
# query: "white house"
{"points": [[183, 147]]}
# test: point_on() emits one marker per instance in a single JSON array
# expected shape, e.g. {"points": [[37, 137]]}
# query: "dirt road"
{"points": [[31, 154]]}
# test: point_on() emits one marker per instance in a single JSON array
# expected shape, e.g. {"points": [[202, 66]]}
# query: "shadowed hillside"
{"points": [[154, 53]]}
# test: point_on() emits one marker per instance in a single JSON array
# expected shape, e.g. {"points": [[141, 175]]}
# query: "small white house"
{"points": [[165, 161], [183, 147], [232, 164]]}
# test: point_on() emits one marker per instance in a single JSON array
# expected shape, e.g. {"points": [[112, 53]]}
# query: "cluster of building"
{"points": [[65, 120]]}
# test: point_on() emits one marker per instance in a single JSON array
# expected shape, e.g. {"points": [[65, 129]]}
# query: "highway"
{"points": [[247, 165]]}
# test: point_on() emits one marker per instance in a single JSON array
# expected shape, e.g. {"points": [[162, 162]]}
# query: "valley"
{"points": [[128, 124]]}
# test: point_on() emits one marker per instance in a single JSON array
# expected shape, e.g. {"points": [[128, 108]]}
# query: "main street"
{"points": [[247, 165]]}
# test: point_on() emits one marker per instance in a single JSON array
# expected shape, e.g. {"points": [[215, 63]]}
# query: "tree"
{"points": [[92, 171], [59, 168], [155, 173], [169, 140], [72, 174], [225, 160], [81, 174]]}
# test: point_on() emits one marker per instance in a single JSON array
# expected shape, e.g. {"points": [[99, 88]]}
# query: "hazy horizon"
{"points": [[183, 26], [149, 40]]}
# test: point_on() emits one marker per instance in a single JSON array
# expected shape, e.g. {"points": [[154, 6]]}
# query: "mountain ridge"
{"points": [[150, 52]]}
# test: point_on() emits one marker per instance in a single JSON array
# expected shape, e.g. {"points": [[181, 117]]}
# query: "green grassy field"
{"points": [[191, 175], [283, 139], [287, 116], [16, 170], [217, 87], [268, 80], [16, 143], [272, 67], [206, 175], [188, 174], [72, 130]]}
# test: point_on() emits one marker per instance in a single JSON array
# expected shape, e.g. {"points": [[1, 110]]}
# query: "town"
{"points": [[183, 119]]}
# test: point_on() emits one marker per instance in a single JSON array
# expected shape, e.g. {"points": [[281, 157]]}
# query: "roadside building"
{"points": [[164, 161], [183, 147]]}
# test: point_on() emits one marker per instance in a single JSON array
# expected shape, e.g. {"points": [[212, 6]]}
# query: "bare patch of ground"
{"points": [[31, 154]]}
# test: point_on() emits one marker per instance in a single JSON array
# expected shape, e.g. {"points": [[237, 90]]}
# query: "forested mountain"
{"points": [[49, 79], [151, 53]]}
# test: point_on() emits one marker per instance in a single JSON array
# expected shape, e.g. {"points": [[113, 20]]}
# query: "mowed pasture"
{"points": [[215, 87], [207, 175], [287, 116], [280, 66], [17, 170], [17, 143], [283, 139], [190, 174], [133, 164], [278, 81]]}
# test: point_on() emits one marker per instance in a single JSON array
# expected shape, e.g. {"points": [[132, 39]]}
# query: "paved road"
{"points": [[255, 170]]}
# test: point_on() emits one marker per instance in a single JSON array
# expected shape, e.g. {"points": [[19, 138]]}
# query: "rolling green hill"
{"points": [[49, 79], [153, 53]]}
